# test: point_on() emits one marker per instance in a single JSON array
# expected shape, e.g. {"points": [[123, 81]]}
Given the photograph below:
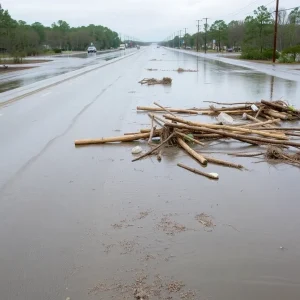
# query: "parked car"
{"points": [[229, 50], [188, 48], [92, 49]]}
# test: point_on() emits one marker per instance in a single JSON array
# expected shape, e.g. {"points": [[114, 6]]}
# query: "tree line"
{"points": [[254, 33], [31, 39]]}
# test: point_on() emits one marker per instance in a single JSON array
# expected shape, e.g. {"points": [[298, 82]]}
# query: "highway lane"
{"points": [[56, 66], [58, 202]]}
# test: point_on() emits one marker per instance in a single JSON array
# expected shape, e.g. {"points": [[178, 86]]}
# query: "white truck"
{"points": [[122, 47], [92, 49]]}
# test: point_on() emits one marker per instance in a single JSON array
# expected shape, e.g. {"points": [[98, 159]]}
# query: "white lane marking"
{"points": [[46, 94]]}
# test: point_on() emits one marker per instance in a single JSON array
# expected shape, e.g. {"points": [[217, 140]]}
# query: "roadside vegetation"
{"points": [[19, 39], [253, 36]]}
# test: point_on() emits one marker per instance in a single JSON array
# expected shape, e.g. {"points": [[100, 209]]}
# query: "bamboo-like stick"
{"points": [[276, 114], [192, 152], [280, 108], [260, 123], [123, 138], [189, 138], [242, 138], [230, 128], [222, 162], [152, 130], [177, 110], [208, 175], [154, 149], [165, 109], [234, 103], [229, 112]]}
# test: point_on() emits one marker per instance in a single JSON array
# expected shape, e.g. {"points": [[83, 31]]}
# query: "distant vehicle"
{"points": [[122, 47], [229, 50], [137, 46], [158, 46], [188, 48], [92, 49]]}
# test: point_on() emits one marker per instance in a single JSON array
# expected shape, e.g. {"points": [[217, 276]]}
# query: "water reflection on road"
{"points": [[59, 65]]}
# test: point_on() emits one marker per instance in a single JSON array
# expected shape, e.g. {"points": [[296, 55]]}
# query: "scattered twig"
{"points": [[208, 175]]}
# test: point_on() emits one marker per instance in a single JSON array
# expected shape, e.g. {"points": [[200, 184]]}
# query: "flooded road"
{"points": [[87, 223], [58, 66]]}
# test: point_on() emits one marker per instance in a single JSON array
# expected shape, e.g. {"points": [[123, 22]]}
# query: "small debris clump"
{"points": [[153, 81], [171, 227], [205, 220]]}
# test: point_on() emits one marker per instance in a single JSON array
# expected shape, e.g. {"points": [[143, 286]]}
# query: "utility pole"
{"points": [[275, 31], [179, 38], [185, 37], [198, 35], [174, 40], [205, 36]]}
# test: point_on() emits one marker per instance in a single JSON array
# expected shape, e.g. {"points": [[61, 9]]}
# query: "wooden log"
{"points": [[158, 118], [131, 133], [208, 135], [192, 152], [230, 128], [246, 154], [281, 128], [280, 107], [261, 123], [152, 130], [263, 115], [229, 112], [275, 114], [252, 118], [222, 162], [235, 136], [220, 109], [189, 138], [163, 108], [259, 111], [123, 138], [208, 175], [154, 149], [177, 110], [234, 103]]}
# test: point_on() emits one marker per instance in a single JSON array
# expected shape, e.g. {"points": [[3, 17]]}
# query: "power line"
{"points": [[238, 11], [289, 8], [241, 10]]}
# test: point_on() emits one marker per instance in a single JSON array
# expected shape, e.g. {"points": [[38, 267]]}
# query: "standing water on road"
{"points": [[87, 223]]}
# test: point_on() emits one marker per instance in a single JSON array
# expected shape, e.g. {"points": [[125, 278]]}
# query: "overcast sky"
{"points": [[148, 20]]}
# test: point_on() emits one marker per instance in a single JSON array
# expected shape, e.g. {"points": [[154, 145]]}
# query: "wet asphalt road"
{"points": [[58, 202], [56, 66]]}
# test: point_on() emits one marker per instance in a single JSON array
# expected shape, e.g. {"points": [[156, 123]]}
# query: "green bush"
{"points": [[56, 50], [18, 57], [292, 52], [32, 51], [255, 54], [285, 59]]}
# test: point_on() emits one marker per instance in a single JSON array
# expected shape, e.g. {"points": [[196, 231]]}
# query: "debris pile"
{"points": [[253, 123], [152, 81], [181, 70]]}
